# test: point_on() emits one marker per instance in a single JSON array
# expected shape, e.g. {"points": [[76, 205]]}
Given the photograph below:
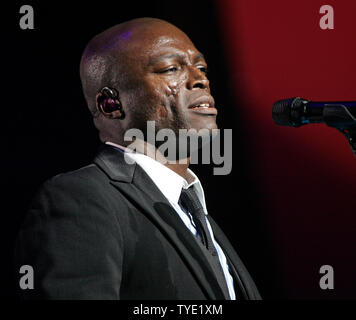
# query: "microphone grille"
{"points": [[281, 112]]}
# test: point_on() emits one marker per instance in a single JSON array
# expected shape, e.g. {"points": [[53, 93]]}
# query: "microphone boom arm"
{"points": [[296, 112]]}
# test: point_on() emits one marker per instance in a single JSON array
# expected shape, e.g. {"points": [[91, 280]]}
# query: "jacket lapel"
{"points": [[244, 285], [132, 181]]}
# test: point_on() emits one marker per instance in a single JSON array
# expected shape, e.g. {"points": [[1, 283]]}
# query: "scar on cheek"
{"points": [[173, 89], [162, 112]]}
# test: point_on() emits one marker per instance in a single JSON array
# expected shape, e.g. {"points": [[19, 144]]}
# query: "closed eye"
{"points": [[203, 69], [169, 70]]}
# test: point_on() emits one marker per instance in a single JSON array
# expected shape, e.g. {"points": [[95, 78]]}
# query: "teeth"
{"points": [[202, 105]]}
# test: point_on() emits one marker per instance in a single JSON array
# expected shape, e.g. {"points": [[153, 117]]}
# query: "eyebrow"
{"points": [[198, 57]]}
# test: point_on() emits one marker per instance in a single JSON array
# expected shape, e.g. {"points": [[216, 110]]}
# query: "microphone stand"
{"points": [[338, 116], [350, 135]]}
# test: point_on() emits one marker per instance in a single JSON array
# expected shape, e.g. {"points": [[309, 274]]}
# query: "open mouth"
{"points": [[204, 109]]}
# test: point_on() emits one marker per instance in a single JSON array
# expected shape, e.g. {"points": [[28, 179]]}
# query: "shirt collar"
{"points": [[167, 181]]}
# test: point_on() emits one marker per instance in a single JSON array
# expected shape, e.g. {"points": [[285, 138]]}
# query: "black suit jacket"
{"points": [[105, 231]]}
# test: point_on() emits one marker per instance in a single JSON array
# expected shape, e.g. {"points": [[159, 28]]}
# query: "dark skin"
{"points": [[161, 75]]}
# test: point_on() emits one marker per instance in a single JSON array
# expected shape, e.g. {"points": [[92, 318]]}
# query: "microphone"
{"points": [[295, 112]]}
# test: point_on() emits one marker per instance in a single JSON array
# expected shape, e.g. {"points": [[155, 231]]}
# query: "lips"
{"points": [[204, 105]]}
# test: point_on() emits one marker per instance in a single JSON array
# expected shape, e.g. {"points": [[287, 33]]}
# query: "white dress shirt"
{"points": [[171, 184]]}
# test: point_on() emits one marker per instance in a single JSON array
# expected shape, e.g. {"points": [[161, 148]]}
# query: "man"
{"points": [[134, 230]]}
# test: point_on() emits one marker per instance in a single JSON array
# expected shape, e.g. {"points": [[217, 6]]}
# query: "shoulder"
{"points": [[89, 173], [87, 177], [85, 186], [83, 196]]}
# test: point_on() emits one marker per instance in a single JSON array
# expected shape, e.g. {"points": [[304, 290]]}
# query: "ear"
{"points": [[109, 107]]}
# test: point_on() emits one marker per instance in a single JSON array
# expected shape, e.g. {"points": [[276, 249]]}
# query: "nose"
{"points": [[197, 79]]}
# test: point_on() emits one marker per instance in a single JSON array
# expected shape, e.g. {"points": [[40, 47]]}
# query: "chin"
{"points": [[210, 125]]}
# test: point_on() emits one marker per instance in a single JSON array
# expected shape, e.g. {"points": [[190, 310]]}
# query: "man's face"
{"points": [[168, 83]]}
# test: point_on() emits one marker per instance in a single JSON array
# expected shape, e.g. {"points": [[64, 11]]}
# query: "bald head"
{"points": [[108, 58], [157, 72]]}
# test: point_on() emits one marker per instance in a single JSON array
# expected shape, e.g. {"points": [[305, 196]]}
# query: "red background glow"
{"points": [[306, 176]]}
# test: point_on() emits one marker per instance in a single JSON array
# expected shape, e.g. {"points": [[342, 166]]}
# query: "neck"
{"points": [[179, 168]]}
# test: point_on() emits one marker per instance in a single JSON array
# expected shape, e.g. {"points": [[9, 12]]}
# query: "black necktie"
{"points": [[190, 201]]}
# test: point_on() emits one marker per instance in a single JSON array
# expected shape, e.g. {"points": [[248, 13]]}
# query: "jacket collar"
{"points": [[112, 162]]}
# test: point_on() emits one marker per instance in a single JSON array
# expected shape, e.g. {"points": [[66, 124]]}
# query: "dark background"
{"points": [[48, 130]]}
